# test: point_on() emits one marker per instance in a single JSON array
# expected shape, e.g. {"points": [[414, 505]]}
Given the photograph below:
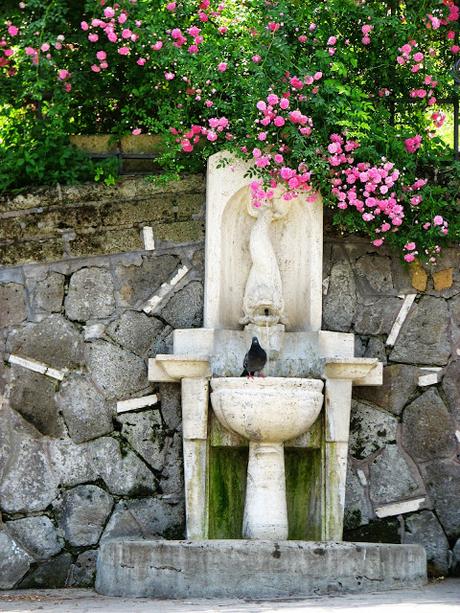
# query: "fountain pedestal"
{"points": [[267, 412]]}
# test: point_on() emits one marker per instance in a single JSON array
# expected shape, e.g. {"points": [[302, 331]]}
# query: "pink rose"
{"points": [[123, 50], [222, 67]]}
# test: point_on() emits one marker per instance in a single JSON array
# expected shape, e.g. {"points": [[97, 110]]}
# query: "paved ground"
{"points": [[437, 597]]}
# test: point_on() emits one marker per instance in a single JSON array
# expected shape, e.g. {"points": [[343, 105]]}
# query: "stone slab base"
{"points": [[254, 569]]}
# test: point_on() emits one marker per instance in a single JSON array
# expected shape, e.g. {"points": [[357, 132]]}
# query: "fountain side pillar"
{"points": [[195, 394], [340, 374], [337, 411]]}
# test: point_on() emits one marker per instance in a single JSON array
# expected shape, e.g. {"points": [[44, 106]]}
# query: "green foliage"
{"points": [[165, 86]]}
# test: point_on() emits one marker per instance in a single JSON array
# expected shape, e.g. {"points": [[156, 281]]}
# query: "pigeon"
{"points": [[254, 360]]}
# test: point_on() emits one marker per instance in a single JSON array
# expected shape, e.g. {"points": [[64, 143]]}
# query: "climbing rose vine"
{"points": [[345, 97]]}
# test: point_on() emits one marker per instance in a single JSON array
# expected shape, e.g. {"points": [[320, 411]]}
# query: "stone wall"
{"points": [[403, 481], [90, 450]]}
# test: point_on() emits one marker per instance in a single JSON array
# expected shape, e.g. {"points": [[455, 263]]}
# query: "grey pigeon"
{"points": [[254, 360]]}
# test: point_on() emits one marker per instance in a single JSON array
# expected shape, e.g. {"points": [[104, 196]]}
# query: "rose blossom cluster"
{"points": [[435, 22], [411, 251], [413, 143], [180, 39], [366, 30], [367, 188], [116, 29], [6, 50], [215, 127]]}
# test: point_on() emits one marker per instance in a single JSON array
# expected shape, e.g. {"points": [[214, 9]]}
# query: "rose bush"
{"points": [[341, 96]]}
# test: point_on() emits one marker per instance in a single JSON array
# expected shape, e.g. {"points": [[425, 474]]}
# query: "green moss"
{"points": [[227, 490], [180, 231], [380, 531], [303, 484]]}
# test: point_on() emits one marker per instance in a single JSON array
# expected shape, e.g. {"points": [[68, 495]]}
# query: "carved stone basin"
{"points": [[274, 409], [267, 412]]}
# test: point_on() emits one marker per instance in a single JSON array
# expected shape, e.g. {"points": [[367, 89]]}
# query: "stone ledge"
{"points": [[254, 569]]}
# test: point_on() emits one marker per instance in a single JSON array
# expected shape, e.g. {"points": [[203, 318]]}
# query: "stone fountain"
{"points": [[265, 458]]}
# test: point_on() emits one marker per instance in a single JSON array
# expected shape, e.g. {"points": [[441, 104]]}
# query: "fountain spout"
{"points": [[263, 302]]}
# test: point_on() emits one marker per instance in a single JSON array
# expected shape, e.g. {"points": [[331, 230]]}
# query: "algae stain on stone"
{"points": [[303, 485], [227, 490]]}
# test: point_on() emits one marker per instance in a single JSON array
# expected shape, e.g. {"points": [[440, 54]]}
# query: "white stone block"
{"points": [[400, 319], [362, 477], [54, 373], [93, 331], [152, 304], [29, 364], [196, 341], [336, 344], [147, 236], [397, 508], [429, 379], [132, 404]]}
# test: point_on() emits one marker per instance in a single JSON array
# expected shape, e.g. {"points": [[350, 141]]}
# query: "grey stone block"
{"points": [[122, 471], [90, 295], [185, 308], [390, 477], [376, 349], [54, 341], [13, 308], [83, 513], [138, 283], [83, 572], [145, 433], [136, 332], [399, 384], [428, 428], [85, 411], [442, 479], [451, 387], [456, 559], [37, 535], [71, 463], [425, 529], [117, 373], [29, 483], [48, 294], [370, 429], [424, 336], [378, 317], [146, 518], [358, 509], [52, 574], [14, 561], [254, 569], [172, 474], [340, 302], [32, 395], [171, 410], [373, 274]]}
